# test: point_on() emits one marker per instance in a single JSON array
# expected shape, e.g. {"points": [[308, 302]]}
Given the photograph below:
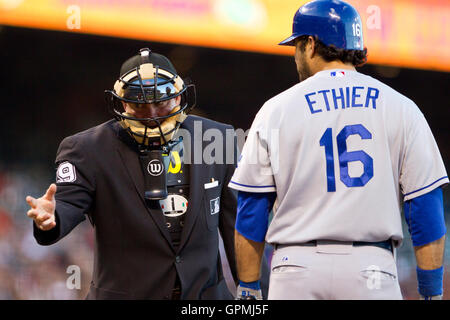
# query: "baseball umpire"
{"points": [[156, 213], [337, 156]]}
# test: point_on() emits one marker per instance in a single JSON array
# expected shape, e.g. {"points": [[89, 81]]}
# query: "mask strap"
{"points": [[145, 55]]}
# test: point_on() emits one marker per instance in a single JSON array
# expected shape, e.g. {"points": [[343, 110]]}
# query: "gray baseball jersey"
{"points": [[342, 151]]}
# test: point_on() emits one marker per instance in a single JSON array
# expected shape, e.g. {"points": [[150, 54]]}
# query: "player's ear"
{"points": [[311, 47]]}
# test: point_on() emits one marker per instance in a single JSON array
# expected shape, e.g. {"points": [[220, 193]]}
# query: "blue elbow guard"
{"points": [[253, 210], [425, 217]]}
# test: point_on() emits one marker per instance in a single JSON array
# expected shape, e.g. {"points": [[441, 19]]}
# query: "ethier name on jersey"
{"points": [[342, 98]]}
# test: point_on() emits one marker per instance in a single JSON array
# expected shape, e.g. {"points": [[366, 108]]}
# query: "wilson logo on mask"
{"points": [[155, 167]]}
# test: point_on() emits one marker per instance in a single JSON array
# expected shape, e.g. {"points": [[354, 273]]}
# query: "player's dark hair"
{"points": [[331, 53]]}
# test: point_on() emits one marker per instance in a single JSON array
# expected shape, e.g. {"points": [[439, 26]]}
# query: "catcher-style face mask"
{"points": [[150, 78]]}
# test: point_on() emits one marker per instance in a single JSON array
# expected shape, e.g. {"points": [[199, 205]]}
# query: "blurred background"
{"points": [[58, 56]]}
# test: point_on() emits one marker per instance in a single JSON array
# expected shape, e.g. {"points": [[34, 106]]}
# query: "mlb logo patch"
{"points": [[338, 74], [214, 205]]}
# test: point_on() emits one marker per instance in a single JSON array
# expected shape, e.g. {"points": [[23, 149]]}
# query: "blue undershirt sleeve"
{"points": [[425, 217], [253, 211]]}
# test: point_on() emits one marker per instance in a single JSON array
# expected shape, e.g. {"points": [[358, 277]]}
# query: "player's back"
{"points": [[342, 139]]}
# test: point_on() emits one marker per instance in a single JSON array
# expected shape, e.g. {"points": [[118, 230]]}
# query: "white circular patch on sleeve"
{"points": [[66, 173]]}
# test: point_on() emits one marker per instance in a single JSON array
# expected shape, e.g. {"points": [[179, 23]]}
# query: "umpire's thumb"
{"points": [[50, 193]]}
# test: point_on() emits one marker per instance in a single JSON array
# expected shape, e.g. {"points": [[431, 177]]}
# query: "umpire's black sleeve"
{"points": [[74, 197]]}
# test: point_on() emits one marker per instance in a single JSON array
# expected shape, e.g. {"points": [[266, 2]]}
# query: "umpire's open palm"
{"points": [[43, 209]]}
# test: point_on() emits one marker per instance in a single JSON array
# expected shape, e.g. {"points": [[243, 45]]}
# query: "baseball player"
{"points": [[336, 157]]}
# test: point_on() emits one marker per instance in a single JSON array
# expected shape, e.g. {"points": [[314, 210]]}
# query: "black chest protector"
{"points": [[167, 186], [174, 207]]}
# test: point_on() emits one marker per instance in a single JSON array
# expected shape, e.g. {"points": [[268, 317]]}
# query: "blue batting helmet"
{"points": [[333, 22]]}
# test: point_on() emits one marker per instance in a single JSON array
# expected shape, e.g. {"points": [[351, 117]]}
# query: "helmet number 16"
{"points": [[346, 156], [356, 30]]}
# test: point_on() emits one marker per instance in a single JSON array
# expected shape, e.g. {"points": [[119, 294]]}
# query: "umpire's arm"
{"points": [[74, 196]]}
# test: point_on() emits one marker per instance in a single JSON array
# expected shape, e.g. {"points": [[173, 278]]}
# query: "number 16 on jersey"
{"points": [[346, 156]]}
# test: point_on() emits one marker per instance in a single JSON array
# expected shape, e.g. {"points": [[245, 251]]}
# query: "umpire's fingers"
{"points": [[42, 217], [49, 223], [49, 227], [50, 193], [32, 213], [31, 201]]}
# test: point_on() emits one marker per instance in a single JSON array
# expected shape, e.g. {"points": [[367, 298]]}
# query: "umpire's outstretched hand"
{"points": [[43, 209]]}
